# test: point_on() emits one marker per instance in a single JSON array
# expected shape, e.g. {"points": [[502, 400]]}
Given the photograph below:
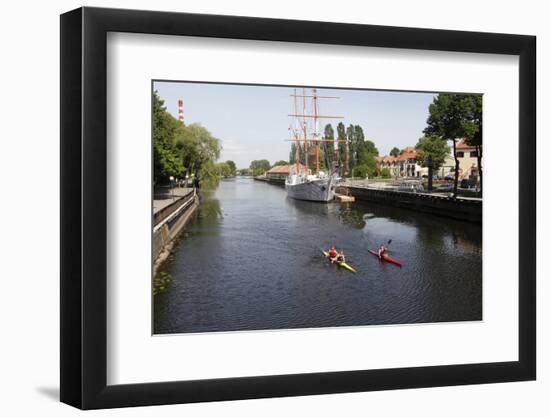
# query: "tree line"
{"points": [[357, 155], [181, 150], [452, 117], [260, 167]]}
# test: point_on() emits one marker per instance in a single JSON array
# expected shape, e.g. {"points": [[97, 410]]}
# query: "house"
{"points": [[467, 157], [403, 165], [280, 172]]}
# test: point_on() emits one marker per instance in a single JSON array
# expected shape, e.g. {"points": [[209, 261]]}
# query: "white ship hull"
{"points": [[310, 189]]}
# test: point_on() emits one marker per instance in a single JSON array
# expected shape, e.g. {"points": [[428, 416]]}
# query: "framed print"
{"points": [[258, 208]]}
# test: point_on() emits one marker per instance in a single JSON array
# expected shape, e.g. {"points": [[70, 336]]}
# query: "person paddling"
{"points": [[341, 257], [381, 251], [332, 252]]}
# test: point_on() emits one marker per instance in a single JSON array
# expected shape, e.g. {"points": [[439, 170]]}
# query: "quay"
{"points": [[439, 204], [271, 180], [461, 208], [171, 212]]}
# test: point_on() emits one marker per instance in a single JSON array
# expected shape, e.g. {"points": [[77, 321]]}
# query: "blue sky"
{"points": [[252, 121]]}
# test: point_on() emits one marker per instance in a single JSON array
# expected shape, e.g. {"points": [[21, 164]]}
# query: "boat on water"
{"points": [[342, 264], [385, 257], [311, 187], [302, 183]]}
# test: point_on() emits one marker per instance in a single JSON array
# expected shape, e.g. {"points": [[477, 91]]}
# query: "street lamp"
{"points": [[172, 185]]}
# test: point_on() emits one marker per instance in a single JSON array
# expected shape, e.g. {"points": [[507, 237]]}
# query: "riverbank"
{"points": [[468, 209], [170, 216], [275, 181]]}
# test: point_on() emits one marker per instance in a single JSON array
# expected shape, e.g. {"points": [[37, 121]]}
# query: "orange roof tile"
{"points": [[462, 145]]}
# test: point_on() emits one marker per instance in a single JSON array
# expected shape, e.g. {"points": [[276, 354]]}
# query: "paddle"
{"points": [[387, 245]]}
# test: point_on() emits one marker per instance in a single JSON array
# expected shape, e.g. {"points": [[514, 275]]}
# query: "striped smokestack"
{"points": [[180, 110]]}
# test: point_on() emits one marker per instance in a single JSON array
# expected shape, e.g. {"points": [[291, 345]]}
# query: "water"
{"points": [[251, 260]]}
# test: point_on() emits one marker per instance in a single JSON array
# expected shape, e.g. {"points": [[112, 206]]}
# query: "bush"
{"points": [[385, 173]]}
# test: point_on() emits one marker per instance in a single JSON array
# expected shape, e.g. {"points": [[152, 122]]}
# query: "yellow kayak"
{"points": [[342, 264]]}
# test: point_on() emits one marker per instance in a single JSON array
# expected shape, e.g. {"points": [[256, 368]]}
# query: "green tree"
{"points": [[197, 146], [328, 147], [232, 168], [259, 167], [394, 152], [352, 145], [343, 148], [473, 131], [224, 169], [292, 154], [451, 117], [385, 173], [245, 172], [365, 159], [281, 162], [434, 147], [357, 144], [166, 159]]}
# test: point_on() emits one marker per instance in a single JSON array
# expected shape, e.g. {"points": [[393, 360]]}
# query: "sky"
{"points": [[252, 122]]}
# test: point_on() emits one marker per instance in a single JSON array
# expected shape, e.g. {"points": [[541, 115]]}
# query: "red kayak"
{"points": [[385, 258]]}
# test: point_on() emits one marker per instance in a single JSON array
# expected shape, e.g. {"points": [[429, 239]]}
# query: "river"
{"points": [[251, 259]]}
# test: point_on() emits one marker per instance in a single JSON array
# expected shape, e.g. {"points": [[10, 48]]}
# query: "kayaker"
{"points": [[332, 252], [341, 257], [381, 251]]}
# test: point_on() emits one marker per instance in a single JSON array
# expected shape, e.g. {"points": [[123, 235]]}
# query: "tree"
{"points": [[394, 152], [296, 148], [259, 167], [328, 147], [292, 154], [343, 148], [281, 162], [166, 159], [223, 169], [473, 134], [434, 147], [351, 146], [245, 172], [232, 168], [385, 173], [365, 159], [451, 117]]}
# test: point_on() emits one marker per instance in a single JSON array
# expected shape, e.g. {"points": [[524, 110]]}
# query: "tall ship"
{"points": [[302, 182]]}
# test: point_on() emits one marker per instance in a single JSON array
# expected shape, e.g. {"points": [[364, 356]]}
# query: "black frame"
{"points": [[84, 207]]}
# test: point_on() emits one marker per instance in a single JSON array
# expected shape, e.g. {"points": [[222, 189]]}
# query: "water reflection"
{"points": [[251, 260]]}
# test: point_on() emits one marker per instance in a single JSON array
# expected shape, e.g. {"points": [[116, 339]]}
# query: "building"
{"points": [[403, 165], [280, 172], [467, 157]]}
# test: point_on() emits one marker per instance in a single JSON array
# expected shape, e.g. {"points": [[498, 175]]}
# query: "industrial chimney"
{"points": [[180, 110]]}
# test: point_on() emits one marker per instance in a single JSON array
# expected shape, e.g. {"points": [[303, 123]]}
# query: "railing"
{"points": [[165, 212]]}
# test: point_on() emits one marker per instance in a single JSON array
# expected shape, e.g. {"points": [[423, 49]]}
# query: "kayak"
{"points": [[342, 264], [385, 258]]}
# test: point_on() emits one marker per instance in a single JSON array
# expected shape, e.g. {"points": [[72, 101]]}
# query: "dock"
{"points": [[343, 198], [461, 208]]}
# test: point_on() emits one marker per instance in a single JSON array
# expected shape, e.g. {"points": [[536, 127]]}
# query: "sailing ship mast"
{"points": [[302, 120]]}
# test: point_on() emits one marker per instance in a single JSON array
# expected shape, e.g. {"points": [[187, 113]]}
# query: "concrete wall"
{"points": [[164, 236], [461, 209], [276, 181]]}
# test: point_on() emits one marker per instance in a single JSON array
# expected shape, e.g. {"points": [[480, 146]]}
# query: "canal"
{"points": [[251, 259]]}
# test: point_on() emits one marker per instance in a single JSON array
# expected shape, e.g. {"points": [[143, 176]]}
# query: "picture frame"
{"points": [[84, 208]]}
